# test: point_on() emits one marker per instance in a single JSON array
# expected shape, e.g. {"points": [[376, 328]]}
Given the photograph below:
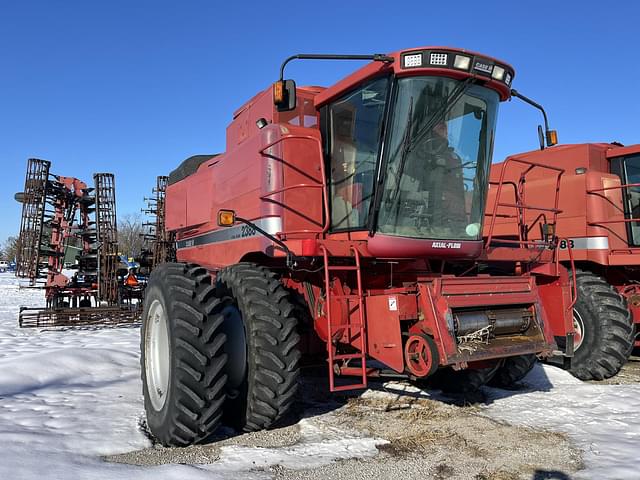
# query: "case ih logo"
{"points": [[483, 67], [446, 245]]}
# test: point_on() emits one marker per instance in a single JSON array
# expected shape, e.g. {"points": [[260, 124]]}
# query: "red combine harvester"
{"points": [[345, 222], [600, 226], [61, 214]]}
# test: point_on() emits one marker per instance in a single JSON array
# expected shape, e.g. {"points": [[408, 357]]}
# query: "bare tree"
{"points": [[9, 248], [130, 235]]}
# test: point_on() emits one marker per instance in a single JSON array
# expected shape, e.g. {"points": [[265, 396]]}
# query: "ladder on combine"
{"points": [[355, 332]]}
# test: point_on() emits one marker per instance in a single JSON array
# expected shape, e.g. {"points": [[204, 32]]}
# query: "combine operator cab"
{"points": [[345, 222]]}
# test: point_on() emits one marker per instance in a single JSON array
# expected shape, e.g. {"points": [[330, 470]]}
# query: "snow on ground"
{"points": [[69, 396], [603, 420]]}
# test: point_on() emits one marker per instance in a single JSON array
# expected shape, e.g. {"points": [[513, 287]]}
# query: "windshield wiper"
{"points": [[448, 104], [433, 120], [406, 144]]}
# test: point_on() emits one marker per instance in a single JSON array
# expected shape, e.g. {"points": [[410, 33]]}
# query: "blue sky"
{"points": [[134, 87]]}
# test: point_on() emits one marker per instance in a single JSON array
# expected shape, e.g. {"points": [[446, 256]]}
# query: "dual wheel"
{"points": [[213, 353]]}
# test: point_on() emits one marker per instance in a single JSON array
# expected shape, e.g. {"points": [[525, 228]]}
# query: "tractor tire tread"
{"points": [[615, 328], [512, 370], [269, 315], [196, 395]]}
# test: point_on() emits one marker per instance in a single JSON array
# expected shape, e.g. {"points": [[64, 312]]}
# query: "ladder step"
{"points": [[349, 356], [341, 268], [346, 297], [354, 386], [345, 325]]}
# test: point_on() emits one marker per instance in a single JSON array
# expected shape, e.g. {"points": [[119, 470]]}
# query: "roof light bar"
{"points": [[480, 66]]}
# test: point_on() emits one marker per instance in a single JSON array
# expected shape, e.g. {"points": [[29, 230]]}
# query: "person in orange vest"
{"points": [[131, 280]]}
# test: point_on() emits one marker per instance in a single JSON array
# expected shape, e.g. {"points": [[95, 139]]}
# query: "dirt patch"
{"points": [[425, 437], [438, 440]]}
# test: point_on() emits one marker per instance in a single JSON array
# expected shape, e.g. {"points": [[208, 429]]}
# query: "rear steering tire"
{"points": [[604, 329], [183, 356], [262, 389], [512, 370], [466, 381]]}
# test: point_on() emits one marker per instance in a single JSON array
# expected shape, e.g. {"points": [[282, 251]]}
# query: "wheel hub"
{"points": [[418, 357], [157, 355], [236, 350], [578, 326]]}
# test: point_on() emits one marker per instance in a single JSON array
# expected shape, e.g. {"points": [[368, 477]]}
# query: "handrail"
{"points": [[322, 184], [520, 206], [622, 220], [290, 187], [574, 283], [616, 187]]}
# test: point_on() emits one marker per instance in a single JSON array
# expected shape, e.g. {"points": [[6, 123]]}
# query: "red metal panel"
{"points": [[388, 246], [621, 151], [383, 327]]}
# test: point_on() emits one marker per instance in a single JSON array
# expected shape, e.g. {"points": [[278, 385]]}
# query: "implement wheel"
{"points": [[263, 347], [183, 359], [604, 329]]}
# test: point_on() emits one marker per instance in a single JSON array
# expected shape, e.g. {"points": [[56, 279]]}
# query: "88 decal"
{"points": [[563, 244]]}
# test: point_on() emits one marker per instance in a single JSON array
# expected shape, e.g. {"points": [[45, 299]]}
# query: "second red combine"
{"points": [[345, 223]]}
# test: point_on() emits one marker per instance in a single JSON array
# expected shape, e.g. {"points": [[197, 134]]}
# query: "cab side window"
{"points": [[355, 123]]}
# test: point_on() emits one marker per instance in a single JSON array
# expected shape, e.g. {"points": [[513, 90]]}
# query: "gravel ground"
{"points": [[418, 436]]}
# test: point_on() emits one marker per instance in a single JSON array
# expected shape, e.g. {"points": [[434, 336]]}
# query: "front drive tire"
{"points": [[261, 391], [183, 355], [604, 324]]}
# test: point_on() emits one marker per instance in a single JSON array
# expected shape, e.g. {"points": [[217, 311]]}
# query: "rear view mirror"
{"points": [[284, 95]]}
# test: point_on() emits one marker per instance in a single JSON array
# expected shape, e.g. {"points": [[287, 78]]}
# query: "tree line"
{"points": [[131, 239]]}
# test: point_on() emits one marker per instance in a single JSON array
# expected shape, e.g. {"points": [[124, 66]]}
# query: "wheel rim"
{"points": [[236, 350], [157, 355], [578, 326]]}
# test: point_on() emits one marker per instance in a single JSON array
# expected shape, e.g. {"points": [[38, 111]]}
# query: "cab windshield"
{"points": [[437, 158]]}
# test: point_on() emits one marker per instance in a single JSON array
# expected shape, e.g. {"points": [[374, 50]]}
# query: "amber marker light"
{"points": [[226, 218], [278, 92]]}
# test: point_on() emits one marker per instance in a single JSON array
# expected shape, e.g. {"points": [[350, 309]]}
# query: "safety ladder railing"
{"points": [[313, 183], [333, 327], [602, 191], [520, 205]]}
